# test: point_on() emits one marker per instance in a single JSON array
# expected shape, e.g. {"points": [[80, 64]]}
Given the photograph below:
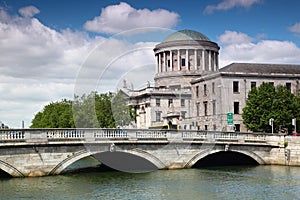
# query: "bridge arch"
{"points": [[85, 153], [9, 169], [200, 155]]}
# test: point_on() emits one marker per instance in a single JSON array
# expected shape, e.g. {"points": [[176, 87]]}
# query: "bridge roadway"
{"points": [[41, 152]]}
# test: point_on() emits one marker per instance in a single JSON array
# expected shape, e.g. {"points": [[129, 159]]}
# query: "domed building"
{"points": [[192, 92], [183, 56]]}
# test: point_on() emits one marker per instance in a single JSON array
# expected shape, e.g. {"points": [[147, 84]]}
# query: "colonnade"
{"points": [[187, 60]]}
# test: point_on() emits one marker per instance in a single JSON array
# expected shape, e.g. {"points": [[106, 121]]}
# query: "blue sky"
{"points": [[49, 48]]}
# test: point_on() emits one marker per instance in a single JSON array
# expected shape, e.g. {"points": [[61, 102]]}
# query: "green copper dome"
{"points": [[186, 35]]}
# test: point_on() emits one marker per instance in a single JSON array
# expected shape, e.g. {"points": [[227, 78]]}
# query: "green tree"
{"points": [[88, 111], [124, 115], [54, 115], [266, 102]]}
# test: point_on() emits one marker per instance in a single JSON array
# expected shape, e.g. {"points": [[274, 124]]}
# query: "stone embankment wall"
{"points": [[292, 150]]}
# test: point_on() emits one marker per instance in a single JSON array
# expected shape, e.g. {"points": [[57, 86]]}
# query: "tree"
{"points": [[55, 115], [124, 115], [88, 111], [266, 102]]}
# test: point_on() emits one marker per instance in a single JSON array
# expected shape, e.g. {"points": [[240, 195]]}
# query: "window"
{"points": [[253, 84], [235, 86], [183, 62], [198, 109], [197, 91], [237, 127], [214, 107], [206, 127], [213, 87], [158, 102], [182, 102], [205, 108], [183, 113], [169, 63], [214, 127], [158, 116], [288, 86], [170, 103], [236, 107], [205, 89]]}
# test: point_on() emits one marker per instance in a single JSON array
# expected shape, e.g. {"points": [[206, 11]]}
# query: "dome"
{"points": [[186, 35]]}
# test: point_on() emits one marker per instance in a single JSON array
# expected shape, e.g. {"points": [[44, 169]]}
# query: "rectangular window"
{"points": [[205, 108], [182, 102], [237, 127], [170, 103], [205, 90], [183, 113], [169, 63], [236, 107], [253, 84], [206, 127], [288, 86], [158, 102], [182, 62], [158, 116], [235, 86], [213, 87], [198, 109], [197, 91], [214, 107]]}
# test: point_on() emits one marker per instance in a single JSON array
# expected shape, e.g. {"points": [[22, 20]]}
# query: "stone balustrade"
{"points": [[95, 134]]}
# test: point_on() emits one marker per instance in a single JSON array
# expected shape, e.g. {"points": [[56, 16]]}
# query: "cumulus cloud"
{"points": [[118, 18], [239, 47], [228, 4], [39, 65], [29, 11]]}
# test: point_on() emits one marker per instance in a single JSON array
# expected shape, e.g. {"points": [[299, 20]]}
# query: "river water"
{"points": [[253, 182]]}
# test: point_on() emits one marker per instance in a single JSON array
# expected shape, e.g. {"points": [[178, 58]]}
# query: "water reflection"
{"points": [[259, 182]]}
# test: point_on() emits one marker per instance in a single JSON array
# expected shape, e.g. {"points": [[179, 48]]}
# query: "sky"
{"points": [[54, 49]]}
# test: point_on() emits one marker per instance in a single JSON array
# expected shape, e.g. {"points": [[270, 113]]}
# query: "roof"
{"points": [[186, 35], [261, 68]]}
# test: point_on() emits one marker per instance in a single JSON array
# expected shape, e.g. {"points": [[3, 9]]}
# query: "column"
{"points": [[159, 62], [209, 60], [195, 61], [178, 59], [203, 60], [186, 58], [164, 63], [171, 60]]}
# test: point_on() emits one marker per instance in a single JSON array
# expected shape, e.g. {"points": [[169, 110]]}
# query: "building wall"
{"points": [[225, 99]]}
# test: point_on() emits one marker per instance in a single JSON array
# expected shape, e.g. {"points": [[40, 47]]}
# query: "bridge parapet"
{"points": [[87, 135]]}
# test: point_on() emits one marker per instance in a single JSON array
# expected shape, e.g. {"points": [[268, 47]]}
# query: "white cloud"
{"points": [[118, 18], [239, 47], [39, 65], [29, 11], [228, 4], [295, 28]]}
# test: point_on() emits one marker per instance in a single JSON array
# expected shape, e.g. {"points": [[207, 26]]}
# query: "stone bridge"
{"points": [[41, 152]]}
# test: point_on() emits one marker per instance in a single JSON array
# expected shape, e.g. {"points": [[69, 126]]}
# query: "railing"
{"points": [[94, 135]]}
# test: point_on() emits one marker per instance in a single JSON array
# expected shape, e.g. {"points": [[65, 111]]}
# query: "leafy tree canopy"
{"points": [[88, 111], [266, 102]]}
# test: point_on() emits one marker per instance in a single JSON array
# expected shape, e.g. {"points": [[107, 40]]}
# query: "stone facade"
{"points": [[188, 82]]}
